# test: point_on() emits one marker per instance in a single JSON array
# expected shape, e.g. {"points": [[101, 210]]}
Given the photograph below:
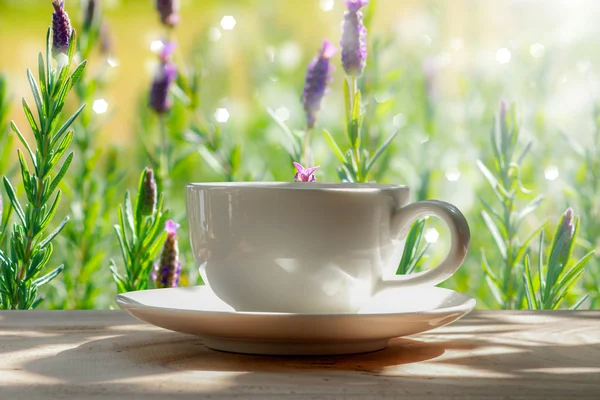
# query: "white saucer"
{"points": [[198, 311]]}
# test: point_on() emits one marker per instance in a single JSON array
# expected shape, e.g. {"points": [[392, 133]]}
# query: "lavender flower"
{"points": [[148, 193], [566, 230], [168, 12], [502, 115], [106, 43], [167, 72], [317, 78], [354, 38], [61, 28], [167, 273], [304, 174], [431, 69]]}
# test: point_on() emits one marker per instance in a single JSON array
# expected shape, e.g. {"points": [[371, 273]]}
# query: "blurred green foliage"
{"points": [[436, 72]]}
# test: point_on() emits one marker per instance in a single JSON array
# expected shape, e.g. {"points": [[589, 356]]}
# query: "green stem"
{"points": [[356, 145], [306, 159], [164, 155], [37, 205]]}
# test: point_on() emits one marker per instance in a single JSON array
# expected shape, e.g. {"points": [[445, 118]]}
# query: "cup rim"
{"points": [[311, 186]]}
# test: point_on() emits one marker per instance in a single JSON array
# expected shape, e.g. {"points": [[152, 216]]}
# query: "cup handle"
{"points": [[460, 238]]}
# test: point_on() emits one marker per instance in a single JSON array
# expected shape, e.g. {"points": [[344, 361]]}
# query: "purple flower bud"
{"points": [[354, 38], [106, 42], [318, 76], [168, 11], [91, 12], [148, 193], [304, 174], [61, 28], [566, 230], [503, 108], [431, 69], [567, 222], [502, 116], [165, 75], [168, 271]]}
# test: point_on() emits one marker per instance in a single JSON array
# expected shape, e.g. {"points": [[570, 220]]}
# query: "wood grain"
{"points": [[110, 355]]}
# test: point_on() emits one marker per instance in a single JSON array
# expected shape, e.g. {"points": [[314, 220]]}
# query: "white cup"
{"points": [[310, 247]]}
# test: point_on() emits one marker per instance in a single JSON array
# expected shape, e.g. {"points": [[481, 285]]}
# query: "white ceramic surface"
{"points": [[310, 247], [391, 313]]}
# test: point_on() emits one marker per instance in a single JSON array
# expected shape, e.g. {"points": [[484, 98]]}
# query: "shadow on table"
{"points": [[146, 353], [24, 330], [464, 366]]}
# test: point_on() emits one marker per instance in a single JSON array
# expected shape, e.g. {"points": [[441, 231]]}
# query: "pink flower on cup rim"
{"points": [[304, 174]]}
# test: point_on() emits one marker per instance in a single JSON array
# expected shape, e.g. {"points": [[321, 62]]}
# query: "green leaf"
{"points": [[24, 142], [580, 301], [411, 246], [129, 218], [39, 259], [48, 277], [66, 126], [354, 134], [521, 157], [121, 284], [296, 150], [518, 182], [380, 151], [59, 176], [496, 215], [529, 290], [334, 146], [563, 293], [495, 234], [499, 191], [59, 101], [568, 279], [123, 228], [31, 119], [54, 233], [52, 211], [125, 252], [77, 74], [235, 158], [487, 270], [347, 104], [139, 200], [540, 268], [495, 136], [554, 267], [42, 74], [344, 174], [10, 192], [527, 241], [496, 293], [61, 149], [37, 95], [529, 208], [154, 230], [48, 62], [157, 245]]}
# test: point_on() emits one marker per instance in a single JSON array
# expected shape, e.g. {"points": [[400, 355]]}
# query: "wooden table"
{"points": [[110, 355]]}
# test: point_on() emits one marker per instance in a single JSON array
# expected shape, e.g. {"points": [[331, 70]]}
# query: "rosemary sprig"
{"points": [[30, 246], [141, 235], [506, 284]]}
